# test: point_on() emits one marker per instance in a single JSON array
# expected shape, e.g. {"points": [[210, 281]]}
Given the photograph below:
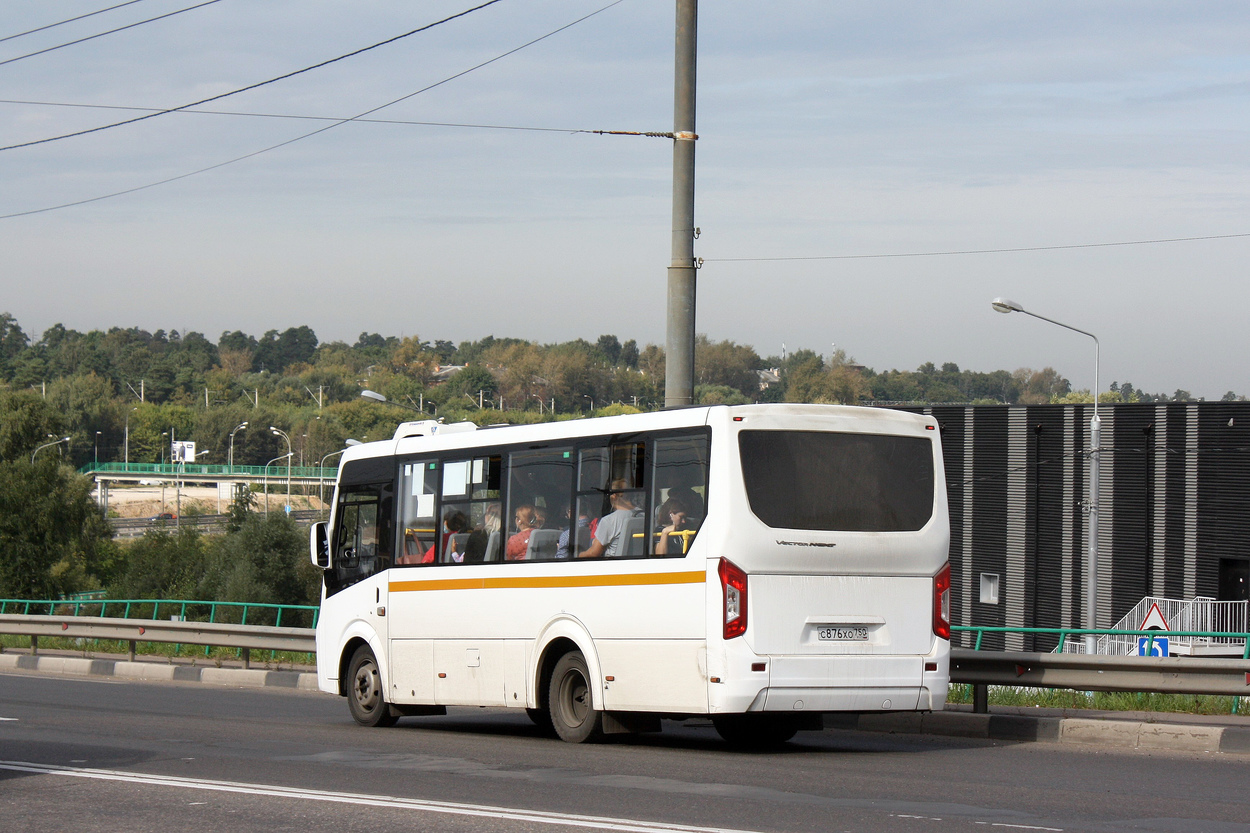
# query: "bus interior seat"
{"points": [[542, 545], [635, 536], [456, 542], [492, 547]]}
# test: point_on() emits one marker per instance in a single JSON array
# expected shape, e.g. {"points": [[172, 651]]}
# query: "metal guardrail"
{"points": [[1088, 672], [130, 527], [1097, 672], [134, 631], [1169, 675], [64, 618]]}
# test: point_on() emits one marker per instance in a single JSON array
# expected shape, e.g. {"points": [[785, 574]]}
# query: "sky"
{"points": [[845, 150]]}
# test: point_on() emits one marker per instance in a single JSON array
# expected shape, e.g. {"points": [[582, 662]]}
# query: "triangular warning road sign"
{"points": [[1154, 620]]}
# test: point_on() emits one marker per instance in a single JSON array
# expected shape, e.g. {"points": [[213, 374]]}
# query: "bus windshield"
{"points": [[823, 480]]}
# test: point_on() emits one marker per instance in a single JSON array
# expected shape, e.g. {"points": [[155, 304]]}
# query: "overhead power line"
{"points": [[317, 131], [256, 85], [69, 20], [109, 32], [980, 251], [301, 117]]}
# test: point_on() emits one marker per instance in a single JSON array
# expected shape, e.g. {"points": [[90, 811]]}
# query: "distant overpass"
{"points": [[107, 473]]}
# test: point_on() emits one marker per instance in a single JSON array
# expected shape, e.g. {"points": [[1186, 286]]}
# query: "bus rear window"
{"points": [[831, 481]]}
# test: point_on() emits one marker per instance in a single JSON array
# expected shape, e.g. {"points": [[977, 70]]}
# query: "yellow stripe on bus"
{"points": [[511, 582]]}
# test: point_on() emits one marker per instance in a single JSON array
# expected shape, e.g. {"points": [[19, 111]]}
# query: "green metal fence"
{"points": [[185, 469], [1064, 633], [185, 610]]}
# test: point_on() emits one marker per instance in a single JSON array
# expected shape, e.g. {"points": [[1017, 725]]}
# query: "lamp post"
{"points": [[47, 445], [128, 413], [230, 456], [278, 432], [377, 397], [1004, 305], [96, 449], [321, 478], [266, 479]]}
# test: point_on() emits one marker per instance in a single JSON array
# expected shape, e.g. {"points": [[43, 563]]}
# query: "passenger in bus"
{"points": [[563, 546], [453, 521], [476, 548], [691, 500], [526, 522], [672, 519], [612, 535]]}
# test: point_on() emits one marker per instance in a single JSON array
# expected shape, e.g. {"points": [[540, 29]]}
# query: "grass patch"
{"points": [[1062, 698]]}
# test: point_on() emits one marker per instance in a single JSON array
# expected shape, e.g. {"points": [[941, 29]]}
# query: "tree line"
{"points": [[127, 394]]}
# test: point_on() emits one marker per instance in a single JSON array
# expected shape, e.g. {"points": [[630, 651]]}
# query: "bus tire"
{"points": [[541, 719], [755, 731], [569, 701], [365, 699]]}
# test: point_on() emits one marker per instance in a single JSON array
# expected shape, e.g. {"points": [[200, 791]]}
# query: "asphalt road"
{"points": [[99, 755]]}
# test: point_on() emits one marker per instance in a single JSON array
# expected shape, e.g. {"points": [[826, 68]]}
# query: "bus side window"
{"points": [[539, 485], [470, 510], [417, 523], [678, 492]]}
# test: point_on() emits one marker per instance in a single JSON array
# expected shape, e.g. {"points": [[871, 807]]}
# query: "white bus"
{"points": [[760, 565]]}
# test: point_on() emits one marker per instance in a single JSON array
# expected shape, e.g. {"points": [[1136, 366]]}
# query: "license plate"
{"points": [[853, 633]]}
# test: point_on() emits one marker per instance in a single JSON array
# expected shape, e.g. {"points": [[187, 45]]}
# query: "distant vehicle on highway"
{"points": [[165, 516]]}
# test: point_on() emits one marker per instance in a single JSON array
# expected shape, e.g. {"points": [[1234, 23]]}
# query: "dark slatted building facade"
{"points": [[1174, 509]]}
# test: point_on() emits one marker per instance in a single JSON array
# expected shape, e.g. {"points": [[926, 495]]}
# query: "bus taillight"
{"points": [[733, 583], [942, 603]]}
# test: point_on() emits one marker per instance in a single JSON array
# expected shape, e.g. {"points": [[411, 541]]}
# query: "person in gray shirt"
{"points": [[611, 536]]}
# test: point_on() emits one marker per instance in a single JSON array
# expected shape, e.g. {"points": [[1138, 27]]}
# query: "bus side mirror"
{"points": [[319, 545]]}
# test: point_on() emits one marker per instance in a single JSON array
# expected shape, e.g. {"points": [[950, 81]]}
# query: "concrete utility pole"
{"points": [[679, 359]]}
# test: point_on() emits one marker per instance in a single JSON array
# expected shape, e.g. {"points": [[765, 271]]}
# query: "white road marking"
{"points": [[14, 719], [1021, 826], [421, 805]]}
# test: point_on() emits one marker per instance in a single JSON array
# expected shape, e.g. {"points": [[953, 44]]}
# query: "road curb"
{"points": [[160, 672], [1129, 734]]}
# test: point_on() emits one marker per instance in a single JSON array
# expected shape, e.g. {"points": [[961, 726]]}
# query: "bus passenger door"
{"points": [[356, 582], [411, 650]]}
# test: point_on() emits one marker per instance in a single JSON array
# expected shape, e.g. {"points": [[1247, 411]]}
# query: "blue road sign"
{"points": [[1159, 649]]}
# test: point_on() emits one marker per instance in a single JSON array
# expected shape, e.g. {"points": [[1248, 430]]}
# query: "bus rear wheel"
{"points": [[365, 699], [755, 731], [569, 701]]}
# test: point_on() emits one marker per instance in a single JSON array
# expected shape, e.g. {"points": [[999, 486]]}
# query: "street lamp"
{"points": [[128, 413], [278, 432], [321, 475], [96, 449], [266, 478], [1004, 305], [47, 445], [230, 460], [377, 397]]}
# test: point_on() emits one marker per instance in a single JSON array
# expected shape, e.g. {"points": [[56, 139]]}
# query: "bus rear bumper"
{"points": [[836, 684]]}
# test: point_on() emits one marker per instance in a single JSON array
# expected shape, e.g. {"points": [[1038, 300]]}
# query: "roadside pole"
{"points": [[679, 350]]}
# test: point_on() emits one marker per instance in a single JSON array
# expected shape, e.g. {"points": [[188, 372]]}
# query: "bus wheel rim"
{"points": [[366, 687]]}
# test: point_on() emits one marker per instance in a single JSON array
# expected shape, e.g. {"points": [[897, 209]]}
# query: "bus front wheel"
{"points": [[569, 702], [365, 698]]}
